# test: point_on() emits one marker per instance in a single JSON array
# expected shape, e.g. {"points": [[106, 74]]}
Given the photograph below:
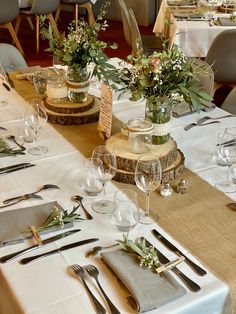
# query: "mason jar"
{"points": [[56, 89], [139, 135]]}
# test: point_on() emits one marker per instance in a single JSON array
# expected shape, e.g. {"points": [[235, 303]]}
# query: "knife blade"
{"points": [[17, 168], [62, 235], [6, 86], [13, 166], [187, 281], [63, 248], [197, 269]]}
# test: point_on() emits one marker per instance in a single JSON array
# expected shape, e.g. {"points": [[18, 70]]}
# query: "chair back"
{"points": [[126, 21], [9, 10], [135, 33], [11, 58], [44, 6], [229, 104], [221, 56]]}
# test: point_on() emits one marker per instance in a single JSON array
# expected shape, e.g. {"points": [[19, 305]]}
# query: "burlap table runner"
{"points": [[199, 219]]}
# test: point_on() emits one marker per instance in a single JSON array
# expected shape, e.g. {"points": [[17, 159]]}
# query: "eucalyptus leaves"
{"points": [[146, 254]]}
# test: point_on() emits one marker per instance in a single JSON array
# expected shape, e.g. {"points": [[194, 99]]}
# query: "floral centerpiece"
{"points": [[165, 79], [79, 48]]}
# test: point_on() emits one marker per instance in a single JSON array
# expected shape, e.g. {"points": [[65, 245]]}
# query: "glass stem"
{"points": [[104, 193], [228, 176], [147, 202]]}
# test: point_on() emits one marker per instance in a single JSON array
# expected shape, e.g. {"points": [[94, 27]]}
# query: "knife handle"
{"points": [[199, 270], [9, 257], [32, 258], [188, 282]]}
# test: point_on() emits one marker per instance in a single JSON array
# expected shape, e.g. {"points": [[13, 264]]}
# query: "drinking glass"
{"points": [[216, 150], [126, 214], [88, 177], [36, 118], [106, 173], [147, 177], [228, 153]]}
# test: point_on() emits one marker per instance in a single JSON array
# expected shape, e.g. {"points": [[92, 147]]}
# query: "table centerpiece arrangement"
{"points": [[81, 50], [164, 79]]}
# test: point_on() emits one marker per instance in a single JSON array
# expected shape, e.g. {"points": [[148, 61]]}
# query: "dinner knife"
{"points": [[63, 248], [11, 256], [6, 86], [14, 166], [16, 169], [187, 281], [200, 271]]}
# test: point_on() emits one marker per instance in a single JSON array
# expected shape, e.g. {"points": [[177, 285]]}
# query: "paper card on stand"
{"points": [[105, 116]]}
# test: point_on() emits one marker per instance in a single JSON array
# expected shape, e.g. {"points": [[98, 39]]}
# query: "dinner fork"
{"points": [[80, 272], [205, 118], [191, 125], [93, 272]]}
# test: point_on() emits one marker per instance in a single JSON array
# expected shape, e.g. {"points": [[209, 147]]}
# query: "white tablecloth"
{"points": [[47, 286]]}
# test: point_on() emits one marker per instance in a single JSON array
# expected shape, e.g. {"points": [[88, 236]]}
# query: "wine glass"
{"points": [[147, 177], [36, 118], [228, 153], [88, 177], [126, 214], [106, 173]]}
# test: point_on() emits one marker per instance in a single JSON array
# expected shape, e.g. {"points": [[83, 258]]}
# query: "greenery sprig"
{"points": [[146, 254], [5, 149]]}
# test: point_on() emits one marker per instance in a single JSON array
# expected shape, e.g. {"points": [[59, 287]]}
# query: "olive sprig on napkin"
{"points": [[146, 254], [5, 149]]}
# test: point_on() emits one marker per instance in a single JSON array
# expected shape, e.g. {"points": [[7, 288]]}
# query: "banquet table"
{"points": [[194, 37], [47, 286]]}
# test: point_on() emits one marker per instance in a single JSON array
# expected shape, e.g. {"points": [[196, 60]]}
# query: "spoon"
{"points": [[78, 199], [44, 187], [12, 138], [96, 249], [23, 198]]}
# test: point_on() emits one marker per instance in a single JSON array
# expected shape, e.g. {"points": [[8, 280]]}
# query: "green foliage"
{"points": [[164, 75], [146, 254], [81, 46], [5, 149]]}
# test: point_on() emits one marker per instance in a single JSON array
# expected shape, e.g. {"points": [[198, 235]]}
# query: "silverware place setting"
{"points": [[201, 121], [79, 199]]}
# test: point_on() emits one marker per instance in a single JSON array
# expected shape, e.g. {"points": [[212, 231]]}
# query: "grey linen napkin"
{"points": [[148, 289], [13, 223]]}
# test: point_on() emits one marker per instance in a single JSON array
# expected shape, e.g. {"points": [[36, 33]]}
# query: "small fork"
{"points": [[93, 272], [203, 119], [191, 125], [80, 272]]}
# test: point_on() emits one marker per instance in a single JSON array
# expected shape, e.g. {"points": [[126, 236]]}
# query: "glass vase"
{"points": [[159, 112], [78, 84]]}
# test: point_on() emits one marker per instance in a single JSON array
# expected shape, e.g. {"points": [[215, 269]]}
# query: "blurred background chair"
{"points": [[145, 43], [221, 57], [9, 10], [39, 7], [86, 4], [229, 104], [11, 58]]}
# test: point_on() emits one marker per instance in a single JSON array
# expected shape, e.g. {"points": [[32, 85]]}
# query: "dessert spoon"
{"points": [[78, 199]]}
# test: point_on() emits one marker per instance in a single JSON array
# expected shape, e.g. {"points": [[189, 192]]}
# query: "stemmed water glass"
{"points": [[148, 174], [36, 118], [227, 151], [106, 173]]}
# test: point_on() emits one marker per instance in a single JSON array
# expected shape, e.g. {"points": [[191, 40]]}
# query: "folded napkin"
{"points": [[13, 223], [226, 21], [148, 289]]}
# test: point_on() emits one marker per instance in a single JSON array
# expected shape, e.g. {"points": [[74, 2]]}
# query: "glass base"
{"points": [[37, 150], [147, 218], [226, 187], [104, 206]]}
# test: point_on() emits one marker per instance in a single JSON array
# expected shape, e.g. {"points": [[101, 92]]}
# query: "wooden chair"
{"points": [[78, 4], [9, 10], [40, 7]]}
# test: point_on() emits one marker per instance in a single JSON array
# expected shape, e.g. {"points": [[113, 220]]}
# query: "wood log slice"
{"points": [[174, 171], [88, 116], [223, 9], [68, 107], [118, 143]]}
